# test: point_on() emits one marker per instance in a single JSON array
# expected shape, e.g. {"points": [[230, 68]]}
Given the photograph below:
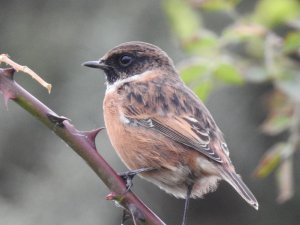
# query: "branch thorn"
{"points": [[91, 135], [58, 120], [5, 88], [9, 73]]}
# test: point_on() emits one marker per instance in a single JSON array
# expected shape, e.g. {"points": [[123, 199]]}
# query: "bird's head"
{"points": [[130, 59]]}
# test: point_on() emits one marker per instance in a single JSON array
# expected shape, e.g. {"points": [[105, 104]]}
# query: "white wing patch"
{"points": [[225, 148], [192, 119], [123, 119]]}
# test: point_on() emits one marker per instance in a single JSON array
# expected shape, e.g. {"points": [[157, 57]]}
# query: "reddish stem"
{"points": [[81, 142]]}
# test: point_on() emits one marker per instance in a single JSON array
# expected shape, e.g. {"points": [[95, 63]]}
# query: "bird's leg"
{"points": [[133, 219], [129, 175], [187, 201], [125, 217]]}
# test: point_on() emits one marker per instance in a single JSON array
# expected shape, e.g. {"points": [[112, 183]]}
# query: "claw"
{"points": [[129, 175], [125, 217]]}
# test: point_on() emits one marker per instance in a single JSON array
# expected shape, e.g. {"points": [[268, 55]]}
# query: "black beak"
{"points": [[96, 64]]}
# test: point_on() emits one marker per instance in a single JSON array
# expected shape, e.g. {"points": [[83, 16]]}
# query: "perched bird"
{"points": [[155, 121]]}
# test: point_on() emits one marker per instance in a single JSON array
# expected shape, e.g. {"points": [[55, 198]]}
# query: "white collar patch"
{"points": [[118, 83]]}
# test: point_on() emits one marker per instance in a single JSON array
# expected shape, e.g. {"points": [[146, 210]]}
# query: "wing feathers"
{"points": [[178, 136], [174, 111], [236, 182]]}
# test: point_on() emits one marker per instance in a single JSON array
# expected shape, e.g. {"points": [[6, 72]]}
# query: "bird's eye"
{"points": [[125, 60]]}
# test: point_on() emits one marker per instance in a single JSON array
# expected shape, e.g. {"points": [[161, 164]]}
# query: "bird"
{"points": [[159, 127]]}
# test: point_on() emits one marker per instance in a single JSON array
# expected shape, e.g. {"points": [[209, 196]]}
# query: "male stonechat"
{"points": [[155, 121]]}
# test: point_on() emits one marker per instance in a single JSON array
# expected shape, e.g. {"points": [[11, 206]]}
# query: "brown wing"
{"points": [[170, 108], [180, 131]]}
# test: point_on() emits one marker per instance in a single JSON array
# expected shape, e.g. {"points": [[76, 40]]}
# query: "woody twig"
{"points": [[82, 142], [4, 58]]}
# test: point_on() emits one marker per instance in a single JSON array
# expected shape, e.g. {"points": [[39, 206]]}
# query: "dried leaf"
{"points": [[280, 113], [269, 161], [228, 73], [276, 124], [277, 101], [285, 180]]}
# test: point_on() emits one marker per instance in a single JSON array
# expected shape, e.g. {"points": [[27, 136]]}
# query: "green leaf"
{"points": [[290, 85], [197, 76], [270, 160], [275, 12], [202, 43], [228, 73], [193, 72], [276, 124], [224, 5], [257, 74], [291, 42], [204, 89], [184, 20], [255, 47]]}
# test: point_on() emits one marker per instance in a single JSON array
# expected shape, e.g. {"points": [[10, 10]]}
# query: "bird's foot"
{"points": [[129, 175]]}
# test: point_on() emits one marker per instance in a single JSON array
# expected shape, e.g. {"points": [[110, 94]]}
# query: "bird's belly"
{"points": [[139, 147]]}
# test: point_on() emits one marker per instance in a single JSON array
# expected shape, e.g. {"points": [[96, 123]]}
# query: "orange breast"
{"points": [[138, 147]]}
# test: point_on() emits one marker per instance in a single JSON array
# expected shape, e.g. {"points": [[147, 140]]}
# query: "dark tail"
{"points": [[236, 182]]}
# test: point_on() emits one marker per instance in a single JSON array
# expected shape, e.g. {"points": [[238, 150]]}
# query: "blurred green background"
{"points": [[42, 181]]}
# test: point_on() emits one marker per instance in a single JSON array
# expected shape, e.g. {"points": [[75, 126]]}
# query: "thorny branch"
{"points": [[82, 142]]}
